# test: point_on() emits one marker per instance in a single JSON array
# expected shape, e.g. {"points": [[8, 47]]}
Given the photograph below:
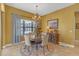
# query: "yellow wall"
{"points": [[0, 30], [77, 21], [0, 6], [2, 9], [66, 17], [8, 21]]}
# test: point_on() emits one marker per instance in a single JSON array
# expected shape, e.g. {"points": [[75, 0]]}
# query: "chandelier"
{"points": [[36, 16]]}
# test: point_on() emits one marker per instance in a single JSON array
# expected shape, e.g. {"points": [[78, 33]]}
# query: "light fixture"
{"points": [[47, 27], [37, 16]]}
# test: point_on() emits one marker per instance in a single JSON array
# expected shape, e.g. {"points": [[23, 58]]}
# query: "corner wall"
{"points": [[66, 17], [8, 21]]}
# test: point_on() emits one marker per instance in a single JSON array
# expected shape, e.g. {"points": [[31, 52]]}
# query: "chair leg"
{"points": [[43, 50], [29, 50], [25, 47], [37, 49], [47, 47]]}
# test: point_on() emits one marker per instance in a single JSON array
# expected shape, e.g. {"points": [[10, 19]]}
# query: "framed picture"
{"points": [[53, 23], [77, 25]]}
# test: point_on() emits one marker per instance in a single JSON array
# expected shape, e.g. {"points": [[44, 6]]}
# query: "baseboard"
{"points": [[8, 45], [19, 43], [77, 40], [65, 44]]}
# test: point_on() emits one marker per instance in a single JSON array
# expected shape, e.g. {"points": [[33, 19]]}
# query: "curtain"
{"points": [[16, 19]]}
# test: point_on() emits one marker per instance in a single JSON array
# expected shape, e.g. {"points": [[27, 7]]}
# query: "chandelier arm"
{"points": [[37, 15]]}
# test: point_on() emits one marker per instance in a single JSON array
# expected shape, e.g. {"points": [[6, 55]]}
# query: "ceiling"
{"points": [[43, 8]]}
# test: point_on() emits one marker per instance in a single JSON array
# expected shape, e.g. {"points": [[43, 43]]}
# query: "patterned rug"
{"points": [[33, 51]]}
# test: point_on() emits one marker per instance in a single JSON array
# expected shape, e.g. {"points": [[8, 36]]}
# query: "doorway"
{"points": [[1, 33], [77, 28]]}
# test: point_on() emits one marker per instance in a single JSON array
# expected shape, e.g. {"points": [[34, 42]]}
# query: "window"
{"points": [[27, 26]]}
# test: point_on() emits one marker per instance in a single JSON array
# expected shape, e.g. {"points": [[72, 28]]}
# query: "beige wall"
{"points": [[66, 17]]}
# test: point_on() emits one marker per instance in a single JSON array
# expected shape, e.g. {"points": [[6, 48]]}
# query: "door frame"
{"points": [[1, 31], [75, 27]]}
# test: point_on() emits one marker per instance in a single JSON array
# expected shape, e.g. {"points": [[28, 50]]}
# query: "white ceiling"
{"points": [[43, 8]]}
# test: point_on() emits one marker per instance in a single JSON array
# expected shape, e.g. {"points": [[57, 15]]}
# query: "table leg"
{"points": [[36, 49]]}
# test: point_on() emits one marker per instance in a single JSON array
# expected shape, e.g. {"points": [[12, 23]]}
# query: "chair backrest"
{"points": [[32, 36], [27, 41], [44, 38]]}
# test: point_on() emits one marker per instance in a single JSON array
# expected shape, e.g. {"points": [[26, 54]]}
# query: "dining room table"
{"points": [[36, 42]]}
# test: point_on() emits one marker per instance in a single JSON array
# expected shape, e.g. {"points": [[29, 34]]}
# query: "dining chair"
{"points": [[44, 44], [27, 42], [32, 36]]}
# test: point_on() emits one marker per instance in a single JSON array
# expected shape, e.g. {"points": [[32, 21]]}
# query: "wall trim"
{"points": [[60, 43], [8, 45], [66, 45], [77, 40], [19, 43]]}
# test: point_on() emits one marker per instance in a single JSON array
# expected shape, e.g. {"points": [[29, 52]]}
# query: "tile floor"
{"points": [[57, 50]]}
